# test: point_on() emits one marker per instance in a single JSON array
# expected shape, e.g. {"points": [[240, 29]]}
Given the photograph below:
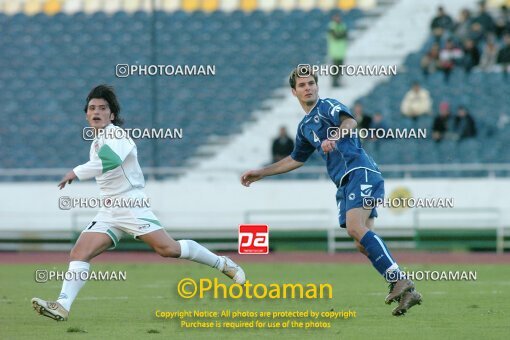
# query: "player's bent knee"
{"points": [[360, 248], [79, 254], [168, 251], [350, 232], [354, 233]]}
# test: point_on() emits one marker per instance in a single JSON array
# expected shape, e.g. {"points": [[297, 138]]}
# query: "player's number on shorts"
{"points": [[90, 225]]}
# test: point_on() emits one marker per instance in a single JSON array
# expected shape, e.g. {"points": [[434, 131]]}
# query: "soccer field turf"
{"points": [[126, 309]]}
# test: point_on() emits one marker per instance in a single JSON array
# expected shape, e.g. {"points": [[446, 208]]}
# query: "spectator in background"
{"points": [[416, 102], [502, 22], [364, 121], [441, 23], [484, 19], [471, 55], [379, 123], [282, 145], [503, 121], [464, 125], [441, 127], [462, 28], [504, 55], [430, 61], [489, 55], [448, 57], [476, 33], [337, 44]]}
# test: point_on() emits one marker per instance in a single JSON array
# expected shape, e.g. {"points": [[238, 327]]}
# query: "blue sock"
{"points": [[380, 256]]}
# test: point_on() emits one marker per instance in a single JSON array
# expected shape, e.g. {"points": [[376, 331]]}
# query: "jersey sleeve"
{"points": [[302, 148], [109, 156], [335, 110]]}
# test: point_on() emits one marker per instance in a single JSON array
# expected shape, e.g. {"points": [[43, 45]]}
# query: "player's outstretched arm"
{"points": [[285, 165], [67, 179]]}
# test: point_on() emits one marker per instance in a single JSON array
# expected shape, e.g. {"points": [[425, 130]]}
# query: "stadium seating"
{"points": [[485, 95], [48, 64]]}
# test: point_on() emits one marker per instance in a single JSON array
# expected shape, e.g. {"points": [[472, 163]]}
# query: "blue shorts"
{"points": [[359, 190]]}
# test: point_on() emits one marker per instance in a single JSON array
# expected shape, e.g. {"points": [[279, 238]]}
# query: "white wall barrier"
{"points": [[284, 205]]}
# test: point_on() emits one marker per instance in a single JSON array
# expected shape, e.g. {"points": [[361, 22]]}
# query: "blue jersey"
{"points": [[312, 131]]}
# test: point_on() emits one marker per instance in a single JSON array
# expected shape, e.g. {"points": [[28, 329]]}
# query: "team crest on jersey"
{"points": [[96, 146], [366, 190], [144, 227], [316, 118]]}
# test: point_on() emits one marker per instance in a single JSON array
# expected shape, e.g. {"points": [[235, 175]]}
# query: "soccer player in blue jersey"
{"points": [[354, 173]]}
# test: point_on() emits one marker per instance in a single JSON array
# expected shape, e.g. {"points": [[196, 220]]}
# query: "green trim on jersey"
{"points": [[156, 222], [109, 158]]}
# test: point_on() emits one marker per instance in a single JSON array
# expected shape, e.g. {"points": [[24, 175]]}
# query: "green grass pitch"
{"points": [[126, 310]]}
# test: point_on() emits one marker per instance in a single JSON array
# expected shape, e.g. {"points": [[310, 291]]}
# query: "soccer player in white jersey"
{"points": [[114, 164]]}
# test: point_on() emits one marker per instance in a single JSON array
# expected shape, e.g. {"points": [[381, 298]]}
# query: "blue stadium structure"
{"points": [[48, 65]]}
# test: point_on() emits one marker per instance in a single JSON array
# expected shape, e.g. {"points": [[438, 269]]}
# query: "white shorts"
{"points": [[116, 222]]}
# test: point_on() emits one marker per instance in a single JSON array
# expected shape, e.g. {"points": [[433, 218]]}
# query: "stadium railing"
{"points": [[406, 170], [394, 237], [475, 228], [216, 239], [432, 229], [315, 229], [297, 229]]}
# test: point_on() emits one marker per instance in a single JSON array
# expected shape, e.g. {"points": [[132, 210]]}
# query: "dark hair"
{"points": [[107, 93], [296, 72]]}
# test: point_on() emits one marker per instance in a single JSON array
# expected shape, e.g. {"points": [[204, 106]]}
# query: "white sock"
{"points": [[393, 267], [191, 250], [70, 288], [394, 272]]}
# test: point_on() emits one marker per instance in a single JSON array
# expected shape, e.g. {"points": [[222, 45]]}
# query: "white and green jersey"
{"points": [[114, 163]]}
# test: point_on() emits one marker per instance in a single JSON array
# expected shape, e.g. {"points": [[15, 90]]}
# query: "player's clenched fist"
{"points": [[250, 176], [328, 145]]}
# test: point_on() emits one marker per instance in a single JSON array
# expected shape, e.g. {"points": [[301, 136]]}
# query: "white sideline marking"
{"points": [[155, 285], [95, 298], [503, 283]]}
